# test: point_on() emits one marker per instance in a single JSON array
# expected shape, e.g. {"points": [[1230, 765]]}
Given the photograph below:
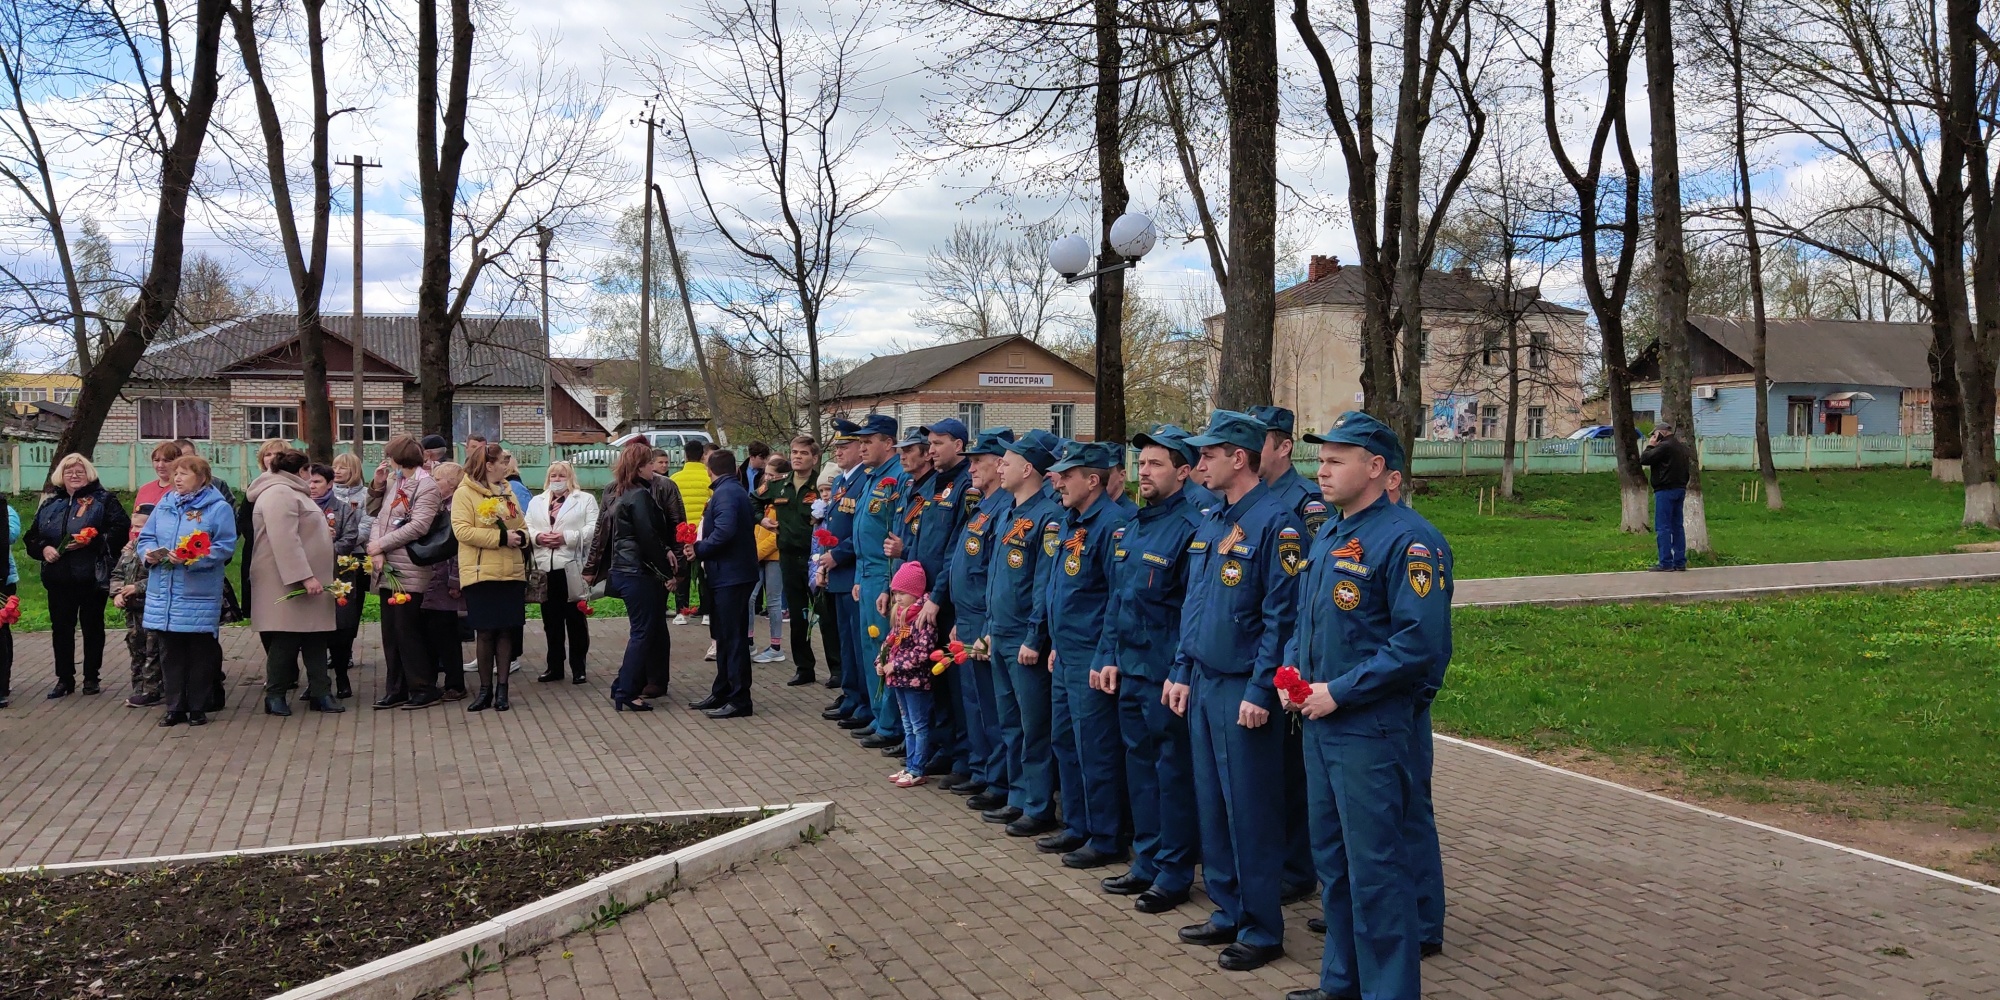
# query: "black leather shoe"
{"points": [[800, 679], [834, 714], [481, 703], [1315, 993], [895, 750], [172, 719], [988, 799], [879, 741], [938, 769], [275, 705], [1155, 901], [729, 712], [342, 687], [326, 703], [1240, 957], [969, 786], [1317, 925], [1029, 826], [1127, 884], [63, 689], [1001, 814], [1208, 933], [579, 679], [705, 704], [500, 702], [850, 723], [832, 681], [90, 687], [633, 705], [1087, 857], [547, 676], [1059, 842], [429, 700], [1289, 894], [1430, 948], [391, 701], [197, 718]]}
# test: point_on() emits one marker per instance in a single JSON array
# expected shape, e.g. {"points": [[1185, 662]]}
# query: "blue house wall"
{"points": [[1733, 411]]}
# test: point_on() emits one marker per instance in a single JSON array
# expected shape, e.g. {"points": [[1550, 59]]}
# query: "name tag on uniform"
{"points": [[1155, 558], [1350, 566], [1120, 553], [1197, 546], [1245, 551]]}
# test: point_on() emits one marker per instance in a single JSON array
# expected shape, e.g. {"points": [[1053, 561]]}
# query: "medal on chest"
{"points": [[1232, 572], [1346, 596]]}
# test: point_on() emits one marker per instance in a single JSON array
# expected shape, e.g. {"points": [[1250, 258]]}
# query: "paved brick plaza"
{"points": [[1559, 887]]}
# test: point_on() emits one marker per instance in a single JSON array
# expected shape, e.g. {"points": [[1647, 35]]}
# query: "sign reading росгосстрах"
{"points": [[1016, 380]]}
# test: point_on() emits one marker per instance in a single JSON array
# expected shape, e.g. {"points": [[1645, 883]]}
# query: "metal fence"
{"points": [[1485, 457], [24, 465]]}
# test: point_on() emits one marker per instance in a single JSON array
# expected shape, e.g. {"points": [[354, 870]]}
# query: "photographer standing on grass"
{"points": [[1668, 459]]}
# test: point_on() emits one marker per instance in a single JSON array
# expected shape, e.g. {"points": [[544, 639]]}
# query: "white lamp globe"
{"points": [[1069, 255], [1132, 235]]}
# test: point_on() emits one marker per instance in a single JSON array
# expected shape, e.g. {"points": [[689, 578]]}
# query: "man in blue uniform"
{"points": [[1114, 489], [836, 577], [880, 493], [962, 590], [1373, 630], [1198, 496], [948, 501], [1142, 632], [1093, 762], [1016, 603], [1301, 497], [1242, 568]]}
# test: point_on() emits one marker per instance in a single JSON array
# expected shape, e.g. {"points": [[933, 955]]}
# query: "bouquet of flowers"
{"points": [[1295, 687], [353, 564], [493, 509], [395, 583], [340, 589], [825, 538], [192, 546], [686, 533], [81, 539], [10, 612], [942, 658]]}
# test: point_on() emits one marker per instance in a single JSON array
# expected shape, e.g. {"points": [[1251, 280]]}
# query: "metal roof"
{"points": [[888, 374], [1848, 352], [485, 350], [1446, 291]]}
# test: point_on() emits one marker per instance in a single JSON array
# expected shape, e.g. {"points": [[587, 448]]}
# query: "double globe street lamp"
{"points": [[1131, 238]]}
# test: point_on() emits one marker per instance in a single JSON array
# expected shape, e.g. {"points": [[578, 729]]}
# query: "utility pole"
{"points": [[543, 237], [694, 333], [354, 335], [652, 124]]}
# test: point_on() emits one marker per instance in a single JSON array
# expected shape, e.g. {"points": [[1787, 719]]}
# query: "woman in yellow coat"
{"points": [[492, 571]]}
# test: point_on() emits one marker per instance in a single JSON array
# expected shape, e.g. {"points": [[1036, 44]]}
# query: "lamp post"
{"points": [[1131, 237]]}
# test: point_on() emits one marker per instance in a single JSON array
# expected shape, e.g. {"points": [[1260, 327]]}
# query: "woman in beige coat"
{"points": [[492, 568], [290, 565]]}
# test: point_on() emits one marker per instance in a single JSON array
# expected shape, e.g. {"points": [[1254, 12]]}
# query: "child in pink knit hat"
{"points": [[905, 665]]}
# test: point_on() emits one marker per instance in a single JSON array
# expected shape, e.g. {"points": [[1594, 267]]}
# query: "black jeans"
{"points": [[190, 670], [792, 569], [70, 605], [445, 645], [6, 650], [406, 657], [646, 660], [561, 620], [729, 618], [281, 663]]}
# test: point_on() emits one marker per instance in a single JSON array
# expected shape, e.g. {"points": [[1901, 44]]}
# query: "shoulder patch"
{"points": [[1315, 507], [1288, 533], [1418, 550]]}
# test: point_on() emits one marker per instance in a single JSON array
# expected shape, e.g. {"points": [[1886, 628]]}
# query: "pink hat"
{"points": [[909, 580]]}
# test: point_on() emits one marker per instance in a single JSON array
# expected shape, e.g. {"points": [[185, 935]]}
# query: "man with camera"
{"points": [[1669, 461]]}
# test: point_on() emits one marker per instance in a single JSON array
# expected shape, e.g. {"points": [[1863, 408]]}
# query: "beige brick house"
{"points": [[239, 381], [1316, 354], [991, 382]]}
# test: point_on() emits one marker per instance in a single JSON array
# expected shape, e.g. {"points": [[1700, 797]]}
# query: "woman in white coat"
{"points": [[561, 521]]}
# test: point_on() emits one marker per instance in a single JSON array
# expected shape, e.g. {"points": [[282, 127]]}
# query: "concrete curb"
{"points": [[1732, 593], [448, 960]]}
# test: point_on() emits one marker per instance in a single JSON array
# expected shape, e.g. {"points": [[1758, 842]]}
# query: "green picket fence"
{"points": [[24, 465]]}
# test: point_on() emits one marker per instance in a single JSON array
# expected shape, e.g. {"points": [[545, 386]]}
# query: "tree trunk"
{"points": [[1107, 299], [1249, 31], [1670, 256], [1511, 445], [438, 161], [106, 378], [1947, 437], [1974, 333], [1767, 467]]}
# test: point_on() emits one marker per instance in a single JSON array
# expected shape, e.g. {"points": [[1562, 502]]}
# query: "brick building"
{"points": [[992, 382], [240, 381]]}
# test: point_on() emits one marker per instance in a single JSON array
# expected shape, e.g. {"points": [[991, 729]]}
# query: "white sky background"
{"points": [[884, 288]]}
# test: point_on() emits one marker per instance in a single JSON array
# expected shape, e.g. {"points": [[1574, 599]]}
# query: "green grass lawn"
{"points": [[1569, 523], [1889, 692]]}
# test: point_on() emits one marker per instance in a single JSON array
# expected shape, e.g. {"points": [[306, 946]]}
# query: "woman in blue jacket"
{"points": [[184, 599]]}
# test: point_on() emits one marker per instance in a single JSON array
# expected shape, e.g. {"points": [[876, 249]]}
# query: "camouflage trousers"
{"points": [[144, 645]]}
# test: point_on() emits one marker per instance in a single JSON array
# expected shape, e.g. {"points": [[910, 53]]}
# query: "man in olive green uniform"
{"points": [[785, 505]]}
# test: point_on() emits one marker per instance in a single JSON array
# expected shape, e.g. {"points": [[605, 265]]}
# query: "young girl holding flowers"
{"points": [[905, 667]]}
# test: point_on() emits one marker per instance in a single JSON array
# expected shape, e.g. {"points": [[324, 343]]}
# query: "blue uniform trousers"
{"points": [[1035, 789], [888, 715], [949, 734], [1000, 668], [1426, 858], [1062, 746], [977, 695], [1096, 756], [854, 672], [1159, 781], [1299, 873], [1239, 796], [1361, 787]]}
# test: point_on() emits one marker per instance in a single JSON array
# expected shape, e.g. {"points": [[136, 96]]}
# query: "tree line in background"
{"points": [[1493, 136]]}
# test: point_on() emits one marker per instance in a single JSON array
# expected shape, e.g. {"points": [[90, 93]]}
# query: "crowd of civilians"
{"points": [[454, 551]]}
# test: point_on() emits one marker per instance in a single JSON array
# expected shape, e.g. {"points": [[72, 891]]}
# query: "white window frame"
{"points": [[1489, 420], [1538, 422], [1062, 419], [265, 422], [972, 415], [374, 425]]}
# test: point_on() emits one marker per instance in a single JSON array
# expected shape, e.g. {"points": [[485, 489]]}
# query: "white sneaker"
{"points": [[680, 619], [711, 652], [471, 666], [514, 667], [704, 619]]}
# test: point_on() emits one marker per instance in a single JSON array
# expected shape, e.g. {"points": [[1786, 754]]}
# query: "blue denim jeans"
{"points": [[916, 707], [1668, 528]]}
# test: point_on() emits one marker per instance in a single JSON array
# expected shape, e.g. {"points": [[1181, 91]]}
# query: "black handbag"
{"points": [[437, 544]]}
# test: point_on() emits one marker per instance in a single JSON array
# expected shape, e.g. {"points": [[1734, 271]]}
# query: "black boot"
{"points": [[275, 705], [324, 703], [500, 703], [342, 688], [483, 702]]}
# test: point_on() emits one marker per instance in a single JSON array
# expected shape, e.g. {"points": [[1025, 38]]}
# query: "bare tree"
{"points": [[772, 117], [1966, 188], [984, 282]]}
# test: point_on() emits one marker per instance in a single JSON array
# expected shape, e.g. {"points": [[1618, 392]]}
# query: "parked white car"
{"points": [[669, 441]]}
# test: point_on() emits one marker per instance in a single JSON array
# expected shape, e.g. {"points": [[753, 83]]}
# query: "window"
{"points": [[603, 405], [374, 425], [1538, 422], [1538, 352], [1798, 416], [261, 422], [973, 416], [1491, 353], [166, 419], [25, 394], [1423, 343], [468, 419], [1489, 421], [1644, 420], [1062, 419]]}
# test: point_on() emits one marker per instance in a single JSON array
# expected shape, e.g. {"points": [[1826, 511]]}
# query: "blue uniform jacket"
{"points": [[1375, 626], [948, 504], [728, 545], [1125, 504], [1079, 577], [877, 500], [841, 503], [188, 598], [910, 507], [1242, 593], [1016, 600], [964, 587], [1149, 563], [1302, 497]]}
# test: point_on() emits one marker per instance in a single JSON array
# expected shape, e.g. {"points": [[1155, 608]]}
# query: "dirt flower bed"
{"points": [[249, 928]]}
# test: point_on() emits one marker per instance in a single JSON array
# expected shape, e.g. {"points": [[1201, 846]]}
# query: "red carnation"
{"points": [[1294, 686], [584, 606], [889, 480], [825, 538], [685, 534]]}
